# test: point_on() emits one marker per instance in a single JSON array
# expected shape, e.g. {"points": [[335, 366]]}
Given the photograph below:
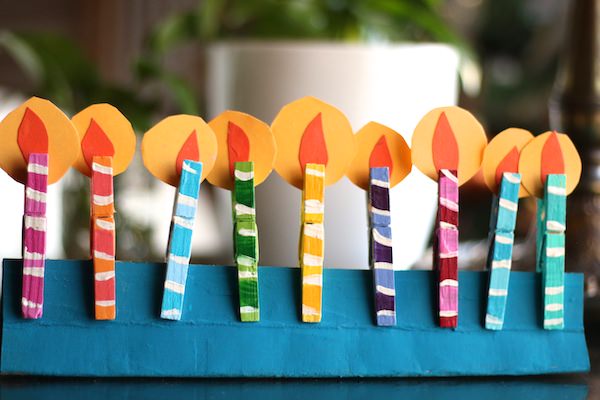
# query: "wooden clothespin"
{"points": [[551, 169], [447, 146], [500, 169], [106, 150]]}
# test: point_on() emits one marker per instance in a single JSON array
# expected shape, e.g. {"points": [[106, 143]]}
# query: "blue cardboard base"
{"points": [[210, 341]]}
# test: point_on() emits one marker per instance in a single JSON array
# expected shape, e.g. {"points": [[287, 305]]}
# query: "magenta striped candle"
{"points": [[34, 235]]}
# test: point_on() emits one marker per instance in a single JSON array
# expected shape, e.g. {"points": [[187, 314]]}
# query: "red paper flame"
{"points": [[380, 155], [444, 146], [510, 163], [189, 151], [238, 145], [552, 158], [32, 136], [95, 143], [312, 145]]}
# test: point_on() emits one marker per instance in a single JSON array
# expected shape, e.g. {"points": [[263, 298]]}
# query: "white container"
{"points": [[392, 84]]}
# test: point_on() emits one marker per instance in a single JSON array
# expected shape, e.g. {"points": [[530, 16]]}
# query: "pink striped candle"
{"points": [[34, 235]]}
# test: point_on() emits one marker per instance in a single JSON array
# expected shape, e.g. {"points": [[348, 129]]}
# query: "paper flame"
{"points": [[313, 148], [32, 136], [238, 145], [444, 145], [380, 155], [189, 151]]}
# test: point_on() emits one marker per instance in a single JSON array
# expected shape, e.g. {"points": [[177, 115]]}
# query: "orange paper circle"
{"points": [[162, 143], [366, 138], [288, 128], [115, 126], [469, 135], [497, 149], [262, 147], [63, 141], [531, 156]]}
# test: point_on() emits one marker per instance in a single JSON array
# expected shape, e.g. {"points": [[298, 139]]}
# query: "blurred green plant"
{"points": [[334, 20]]}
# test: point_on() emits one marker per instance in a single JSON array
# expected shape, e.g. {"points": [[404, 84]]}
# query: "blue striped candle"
{"points": [[553, 250], [180, 241], [381, 250], [500, 262]]}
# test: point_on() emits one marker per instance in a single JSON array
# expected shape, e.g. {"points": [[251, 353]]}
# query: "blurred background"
{"points": [[384, 60]]}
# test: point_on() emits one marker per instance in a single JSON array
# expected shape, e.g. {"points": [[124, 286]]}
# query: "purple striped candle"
{"points": [[34, 235]]}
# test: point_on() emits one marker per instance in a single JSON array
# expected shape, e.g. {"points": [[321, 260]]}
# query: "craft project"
{"points": [[107, 147], [244, 159], [181, 151], [315, 145], [551, 168], [447, 146], [382, 161], [39, 144], [500, 167]]}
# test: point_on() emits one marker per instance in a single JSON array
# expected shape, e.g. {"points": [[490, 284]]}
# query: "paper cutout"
{"points": [[95, 143], [312, 242], [289, 127], [531, 159], [34, 236], [369, 146], [504, 217], [102, 128], [381, 247], [261, 147], [189, 151], [381, 157], [313, 149], [553, 250], [245, 234], [32, 136], [238, 146], [102, 231], [163, 142], [552, 158], [495, 161], [469, 135], [446, 248], [180, 240], [63, 143], [444, 148]]}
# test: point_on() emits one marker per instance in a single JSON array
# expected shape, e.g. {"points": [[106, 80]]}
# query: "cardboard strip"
{"points": [[381, 250], [180, 240], [246, 240], [553, 250], [499, 264], [312, 242], [34, 236], [447, 248]]}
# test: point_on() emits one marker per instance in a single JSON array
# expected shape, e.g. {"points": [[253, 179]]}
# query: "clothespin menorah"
{"points": [[500, 167], [315, 145], [447, 146], [246, 153], [382, 160], [39, 145], [181, 151], [106, 150], [551, 170]]}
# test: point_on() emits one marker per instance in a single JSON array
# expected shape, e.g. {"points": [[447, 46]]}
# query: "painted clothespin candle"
{"points": [[106, 150], [39, 144], [246, 153], [304, 130], [500, 168], [447, 146], [382, 160], [181, 151], [551, 169]]}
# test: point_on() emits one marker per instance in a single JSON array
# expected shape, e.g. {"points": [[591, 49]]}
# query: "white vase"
{"points": [[391, 84]]}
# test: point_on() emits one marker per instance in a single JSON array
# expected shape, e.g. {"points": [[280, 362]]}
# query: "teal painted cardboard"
{"points": [[211, 342]]}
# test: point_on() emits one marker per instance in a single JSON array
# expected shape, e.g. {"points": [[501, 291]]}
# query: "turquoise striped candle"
{"points": [[499, 264], [180, 241]]}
